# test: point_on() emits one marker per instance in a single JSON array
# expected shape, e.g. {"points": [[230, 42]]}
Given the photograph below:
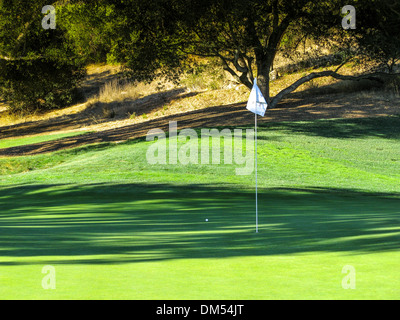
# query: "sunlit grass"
{"points": [[15, 142], [116, 227]]}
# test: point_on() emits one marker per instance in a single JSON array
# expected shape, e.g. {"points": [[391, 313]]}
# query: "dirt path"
{"points": [[295, 108]]}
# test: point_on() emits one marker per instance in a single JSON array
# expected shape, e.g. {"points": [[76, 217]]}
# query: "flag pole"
{"points": [[255, 152], [258, 105]]}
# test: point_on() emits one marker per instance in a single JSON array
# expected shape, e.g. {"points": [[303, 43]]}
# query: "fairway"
{"points": [[115, 227]]}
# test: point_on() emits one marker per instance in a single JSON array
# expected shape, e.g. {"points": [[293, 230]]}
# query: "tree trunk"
{"points": [[263, 83], [263, 62]]}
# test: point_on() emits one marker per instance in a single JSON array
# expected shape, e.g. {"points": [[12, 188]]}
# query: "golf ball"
{"points": [[206, 219]]}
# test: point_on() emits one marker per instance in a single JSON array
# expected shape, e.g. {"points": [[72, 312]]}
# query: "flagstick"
{"points": [[253, 105], [255, 126]]}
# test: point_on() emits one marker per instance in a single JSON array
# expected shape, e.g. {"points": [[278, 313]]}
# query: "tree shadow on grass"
{"points": [[94, 113], [95, 224], [383, 127]]}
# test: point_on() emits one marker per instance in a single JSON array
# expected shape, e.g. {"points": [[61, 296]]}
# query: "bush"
{"points": [[31, 85]]}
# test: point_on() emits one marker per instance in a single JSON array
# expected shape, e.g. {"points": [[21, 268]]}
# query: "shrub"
{"points": [[31, 85]]}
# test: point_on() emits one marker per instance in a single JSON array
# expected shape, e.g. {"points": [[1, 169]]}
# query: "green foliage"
{"points": [[161, 35], [90, 27], [38, 84], [377, 32], [39, 68], [161, 38]]}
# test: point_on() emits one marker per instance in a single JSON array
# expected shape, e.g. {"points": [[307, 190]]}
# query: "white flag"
{"points": [[257, 103]]}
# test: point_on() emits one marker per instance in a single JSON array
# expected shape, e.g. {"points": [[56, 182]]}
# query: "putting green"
{"points": [[140, 242], [113, 226]]}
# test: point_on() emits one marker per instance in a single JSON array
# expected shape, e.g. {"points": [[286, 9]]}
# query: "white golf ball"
{"points": [[206, 220]]}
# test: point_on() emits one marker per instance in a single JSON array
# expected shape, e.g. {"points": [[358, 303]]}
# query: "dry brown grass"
{"points": [[113, 103], [8, 119], [152, 104]]}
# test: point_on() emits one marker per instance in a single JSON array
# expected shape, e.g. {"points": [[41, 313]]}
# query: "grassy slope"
{"points": [[352, 154], [14, 142], [116, 227]]}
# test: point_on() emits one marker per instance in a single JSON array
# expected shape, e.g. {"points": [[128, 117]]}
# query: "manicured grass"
{"points": [[15, 142], [141, 242], [116, 227], [360, 154]]}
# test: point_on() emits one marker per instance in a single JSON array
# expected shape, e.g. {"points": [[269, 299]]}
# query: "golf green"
{"points": [[100, 222], [140, 242]]}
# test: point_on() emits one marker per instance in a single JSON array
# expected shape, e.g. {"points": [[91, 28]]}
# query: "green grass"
{"points": [[16, 142], [116, 227]]}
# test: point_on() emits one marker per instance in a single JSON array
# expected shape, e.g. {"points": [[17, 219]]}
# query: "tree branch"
{"points": [[237, 65], [226, 67], [376, 76], [243, 78]]}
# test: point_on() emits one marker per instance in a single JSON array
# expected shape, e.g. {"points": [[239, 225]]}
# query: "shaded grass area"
{"points": [[362, 128], [144, 223], [29, 164], [152, 242]]}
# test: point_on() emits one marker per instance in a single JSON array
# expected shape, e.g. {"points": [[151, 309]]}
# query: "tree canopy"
{"points": [[162, 37], [244, 35], [39, 68], [378, 35]]}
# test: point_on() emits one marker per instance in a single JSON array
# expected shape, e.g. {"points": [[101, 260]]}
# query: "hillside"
{"points": [[114, 111]]}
